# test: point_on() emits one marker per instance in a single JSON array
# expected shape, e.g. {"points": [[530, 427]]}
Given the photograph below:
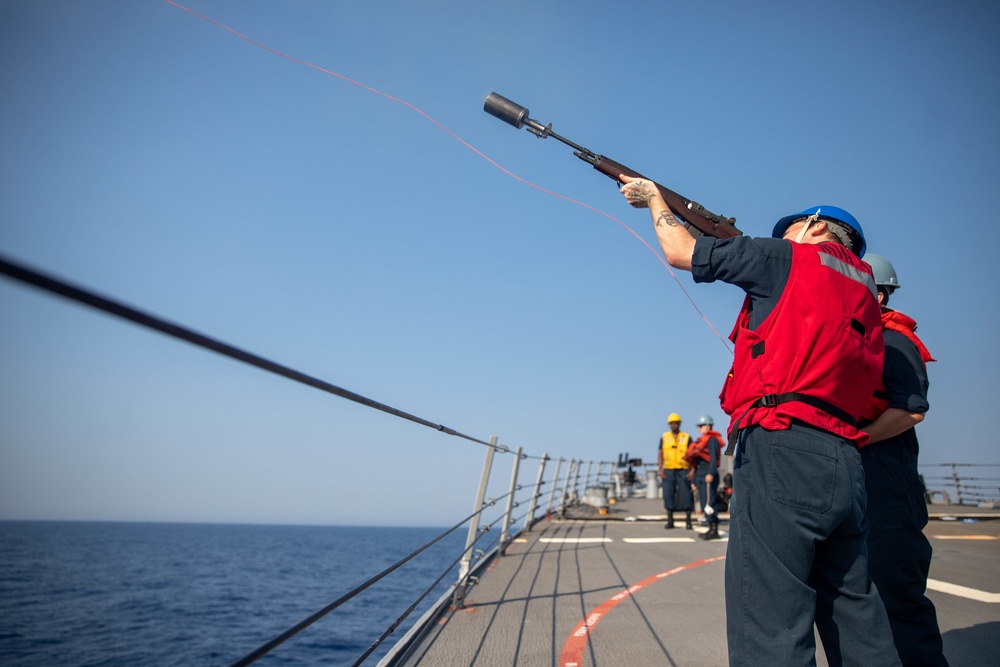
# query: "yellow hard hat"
{"points": [[674, 417]]}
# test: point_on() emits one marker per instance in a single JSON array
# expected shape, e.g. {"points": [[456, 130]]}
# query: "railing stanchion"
{"points": [[505, 533], [470, 541], [576, 479], [958, 484], [555, 483], [586, 480], [564, 496], [536, 494]]}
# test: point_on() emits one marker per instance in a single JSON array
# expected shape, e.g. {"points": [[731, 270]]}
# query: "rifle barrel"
{"points": [[696, 217]]}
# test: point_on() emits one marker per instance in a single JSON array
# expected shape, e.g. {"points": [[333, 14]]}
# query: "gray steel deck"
{"points": [[533, 605]]}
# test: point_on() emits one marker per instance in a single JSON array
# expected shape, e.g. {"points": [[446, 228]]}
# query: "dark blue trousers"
{"points": [[899, 553], [797, 555], [677, 494]]}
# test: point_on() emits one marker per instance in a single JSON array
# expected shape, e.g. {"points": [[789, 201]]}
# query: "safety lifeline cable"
{"points": [[62, 288]]}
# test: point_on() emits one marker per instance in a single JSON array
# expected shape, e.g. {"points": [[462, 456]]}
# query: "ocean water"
{"points": [[116, 594]]}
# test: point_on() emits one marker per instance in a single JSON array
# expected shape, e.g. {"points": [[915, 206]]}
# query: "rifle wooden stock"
{"points": [[692, 213]]}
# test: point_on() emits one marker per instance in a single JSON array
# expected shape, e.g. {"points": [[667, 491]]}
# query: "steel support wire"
{"points": [[515, 519], [31, 277], [494, 545], [409, 610], [402, 657], [262, 650], [492, 524]]}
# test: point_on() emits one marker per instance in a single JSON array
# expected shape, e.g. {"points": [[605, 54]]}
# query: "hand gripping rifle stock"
{"points": [[697, 219]]}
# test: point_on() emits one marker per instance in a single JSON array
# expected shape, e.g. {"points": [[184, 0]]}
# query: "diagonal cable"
{"points": [[86, 297]]}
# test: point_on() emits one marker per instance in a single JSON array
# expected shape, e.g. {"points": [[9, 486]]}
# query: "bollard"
{"points": [[652, 485], [596, 496]]}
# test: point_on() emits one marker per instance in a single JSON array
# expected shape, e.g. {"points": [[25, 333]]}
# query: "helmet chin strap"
{"points": [[809, 221]]}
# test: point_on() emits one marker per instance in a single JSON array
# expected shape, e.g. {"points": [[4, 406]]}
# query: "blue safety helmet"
{"points": [[825, 213]]}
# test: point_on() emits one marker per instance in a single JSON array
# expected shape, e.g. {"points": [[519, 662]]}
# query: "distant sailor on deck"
{"points": [[808, 356], [674, 469], [703, 455]]}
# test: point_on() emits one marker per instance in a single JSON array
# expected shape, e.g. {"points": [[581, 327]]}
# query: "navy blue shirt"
{"points": [[759, 266], [904, 374], [905, 379]]}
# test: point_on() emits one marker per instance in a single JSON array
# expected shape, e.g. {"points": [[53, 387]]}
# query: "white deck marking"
{"points": [[965, 537], [962, 591], [654, 540], [574, 540], [628, 540]]}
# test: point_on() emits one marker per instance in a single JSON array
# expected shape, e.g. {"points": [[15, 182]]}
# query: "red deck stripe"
{"points": [[576, 643]]}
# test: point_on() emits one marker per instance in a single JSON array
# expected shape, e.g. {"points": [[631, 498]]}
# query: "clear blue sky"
{"points": [[160, 160]]}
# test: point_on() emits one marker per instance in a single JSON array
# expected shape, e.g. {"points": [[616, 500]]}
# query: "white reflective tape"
{"points": [[852, 272]]}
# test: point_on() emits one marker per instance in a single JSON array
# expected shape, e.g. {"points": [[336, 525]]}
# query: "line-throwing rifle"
{"points": [[698, 220]]}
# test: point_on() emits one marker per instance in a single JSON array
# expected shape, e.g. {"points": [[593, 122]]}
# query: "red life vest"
{"points": [[699, 448], [817, 357], [894, 321]]}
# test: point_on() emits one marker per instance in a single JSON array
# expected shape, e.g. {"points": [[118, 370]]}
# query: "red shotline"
{"points": [[465, 143]]}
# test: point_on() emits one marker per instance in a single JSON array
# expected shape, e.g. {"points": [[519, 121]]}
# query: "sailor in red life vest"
{"points": [[808, 355], [703, 455], [899, 554]]}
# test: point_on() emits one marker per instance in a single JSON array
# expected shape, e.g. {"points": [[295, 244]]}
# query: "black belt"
{"points": [[771, 400]]}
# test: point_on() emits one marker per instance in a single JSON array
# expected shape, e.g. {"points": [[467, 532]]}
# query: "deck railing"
{"points": [[971, 483], [482, 523]]}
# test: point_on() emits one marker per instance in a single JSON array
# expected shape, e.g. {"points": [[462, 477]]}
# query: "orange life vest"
{"points": [[893, 321], [699, 448]]}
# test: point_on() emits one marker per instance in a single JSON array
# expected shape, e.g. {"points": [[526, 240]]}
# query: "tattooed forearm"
{"points": [[667, 219]]}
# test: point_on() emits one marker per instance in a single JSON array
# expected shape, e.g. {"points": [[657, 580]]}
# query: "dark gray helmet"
{"points": [[885, 275]]}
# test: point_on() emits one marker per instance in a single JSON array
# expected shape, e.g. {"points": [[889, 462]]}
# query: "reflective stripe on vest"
{"points": [[852, 272]]}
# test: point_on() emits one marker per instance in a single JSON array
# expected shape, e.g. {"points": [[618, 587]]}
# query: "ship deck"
{"points": [[621, 590]]}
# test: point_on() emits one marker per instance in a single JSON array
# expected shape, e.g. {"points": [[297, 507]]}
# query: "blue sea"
{"points": [[110, 594]]}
